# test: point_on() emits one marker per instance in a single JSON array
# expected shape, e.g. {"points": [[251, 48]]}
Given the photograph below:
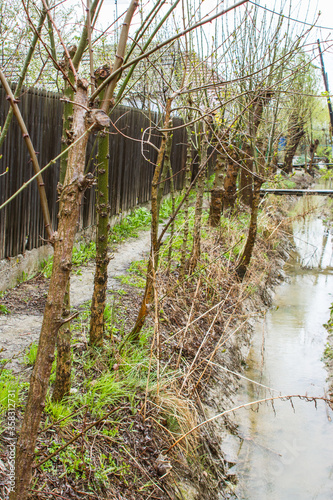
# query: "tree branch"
{"points": [[27, 140], [159, 46]]}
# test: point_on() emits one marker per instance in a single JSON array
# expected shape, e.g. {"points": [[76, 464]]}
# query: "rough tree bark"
{"points": [[313, 149], [245, 258], [217, 192], [173, 200], [196, 249], [246, 176], [251, 149], [62, 383], [166, 166], [102, 230], [230, 182], [103, 225], [255, 115], [188, 176], [296, 132], [70, 198]]}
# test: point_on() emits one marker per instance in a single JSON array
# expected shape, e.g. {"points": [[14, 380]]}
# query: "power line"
{"points": [[290, 18]]}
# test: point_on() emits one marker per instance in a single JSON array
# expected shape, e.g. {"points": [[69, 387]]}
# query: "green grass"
{"points": [[82, 254], [130, 225], [136, 275], [137, 220], [327, 175], [4, 309], [279, 181], [30, 354], [11, 391], [58, 411], [329, 324], [328, 352]]}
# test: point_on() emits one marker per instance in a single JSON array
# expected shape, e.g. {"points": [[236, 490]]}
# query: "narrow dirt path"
{"points": [[18, 331]]}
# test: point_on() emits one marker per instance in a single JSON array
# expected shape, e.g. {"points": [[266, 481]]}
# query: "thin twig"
{"points": [[62, 419], [251, 403], [52, 162], [142, 469], [46, 48], [181, 341], [159, 46], [242, 376], [61, 40], [91, 51]]}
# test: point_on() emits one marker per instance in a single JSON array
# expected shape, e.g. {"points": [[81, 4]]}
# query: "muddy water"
{"points": [[286, 453]]}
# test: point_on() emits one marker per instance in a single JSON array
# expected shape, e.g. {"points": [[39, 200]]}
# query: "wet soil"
{"points": [[27, 298]]}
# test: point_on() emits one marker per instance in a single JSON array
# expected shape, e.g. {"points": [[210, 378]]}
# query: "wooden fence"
{"points": [[21, 221]]}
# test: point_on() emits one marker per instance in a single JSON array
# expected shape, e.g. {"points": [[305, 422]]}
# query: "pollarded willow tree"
{"points": [[185, 76]]}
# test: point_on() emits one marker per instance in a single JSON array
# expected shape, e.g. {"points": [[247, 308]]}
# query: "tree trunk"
{"points": [[168, 171], [296, 133], [188, 176], [172, 225], [217, 194], [69, 211], [103, 207], [102, 231], [246, 177], [62, 383], [313, 149], [196, 249], [245, 258], [230, 183], [251, 146], [166, 166]]}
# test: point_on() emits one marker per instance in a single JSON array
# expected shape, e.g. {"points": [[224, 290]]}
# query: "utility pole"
{"points": [[329, 103]]}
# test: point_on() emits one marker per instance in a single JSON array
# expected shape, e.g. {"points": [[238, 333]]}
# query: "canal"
{"points": [[284, 451]]}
